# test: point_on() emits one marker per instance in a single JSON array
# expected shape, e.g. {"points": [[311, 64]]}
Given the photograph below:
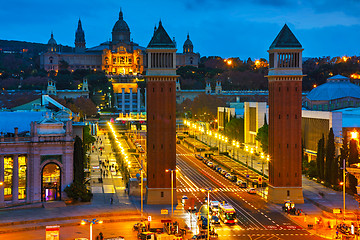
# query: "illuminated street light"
{"points": [[208, 190], [172, 189], [93, 221]]}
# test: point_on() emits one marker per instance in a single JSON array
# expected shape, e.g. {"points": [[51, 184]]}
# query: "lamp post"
{"points": [[172, 189], [141, 193], [208, 190], [251, 156], [93, 221]]}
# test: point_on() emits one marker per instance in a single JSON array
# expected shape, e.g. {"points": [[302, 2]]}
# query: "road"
{"points": [[256, 218]]}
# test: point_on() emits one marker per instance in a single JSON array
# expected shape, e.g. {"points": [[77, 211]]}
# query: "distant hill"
{"points": [[11, 46]]}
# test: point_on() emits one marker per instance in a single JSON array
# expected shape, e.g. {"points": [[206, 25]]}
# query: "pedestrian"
{"points": [[101, 236]]}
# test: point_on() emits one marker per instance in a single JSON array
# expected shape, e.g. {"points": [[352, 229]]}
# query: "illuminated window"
{"points": [[8, 178], [22, 176]]}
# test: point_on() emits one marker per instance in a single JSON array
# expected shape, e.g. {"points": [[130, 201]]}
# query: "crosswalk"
{"points": [[217, 189]]}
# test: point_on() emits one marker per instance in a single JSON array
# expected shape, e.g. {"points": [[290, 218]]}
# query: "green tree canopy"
{"points": [[235, 129], [263, 137]]}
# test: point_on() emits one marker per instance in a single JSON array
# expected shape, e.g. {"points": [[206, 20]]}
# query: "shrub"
{"points": [[78, 191]]}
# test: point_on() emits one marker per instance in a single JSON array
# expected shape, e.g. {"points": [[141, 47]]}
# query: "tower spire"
{"points": [[121, 16]]}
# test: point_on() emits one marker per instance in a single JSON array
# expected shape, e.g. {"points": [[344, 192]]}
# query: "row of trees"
{"points": [[328, 167]]}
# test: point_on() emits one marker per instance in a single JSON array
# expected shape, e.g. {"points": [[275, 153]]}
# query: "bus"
{"points": [[227, 213]]}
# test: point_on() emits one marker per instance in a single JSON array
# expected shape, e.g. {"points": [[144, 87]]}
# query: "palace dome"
{"points": [[52, 40], [121, 25]]}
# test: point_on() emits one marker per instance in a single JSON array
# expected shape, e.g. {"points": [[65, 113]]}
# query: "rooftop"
{"points": [[285, 39]]}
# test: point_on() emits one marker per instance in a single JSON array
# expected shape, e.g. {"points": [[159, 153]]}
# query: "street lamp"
{"points": [[141, 192], [93, 221], [251, 156], [172, 189], [208, 190]]}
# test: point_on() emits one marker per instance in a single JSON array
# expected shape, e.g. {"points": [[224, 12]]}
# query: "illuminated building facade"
{"points": [[128, 98], [161, 117], [285, 87], [35, 167], [120, 56]]}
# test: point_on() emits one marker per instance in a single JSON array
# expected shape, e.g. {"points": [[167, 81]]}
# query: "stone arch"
{"points": [[51, 178]]}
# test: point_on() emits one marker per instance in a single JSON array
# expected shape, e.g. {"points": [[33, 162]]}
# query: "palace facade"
{"points": [[120, 56]]}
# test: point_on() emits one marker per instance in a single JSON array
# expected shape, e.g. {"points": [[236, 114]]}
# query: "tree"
{"points": [[235, 129], [320, 158], [78, 161], [353, 158], [330, 176], [263, 137]]}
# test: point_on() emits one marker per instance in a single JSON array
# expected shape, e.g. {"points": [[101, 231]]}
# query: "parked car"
{"points": [[227, 175], [223, 172], [210, 164], [218, 169], [233, 178], [215, 166], [202, 236], [198, 156], [252, 191]]}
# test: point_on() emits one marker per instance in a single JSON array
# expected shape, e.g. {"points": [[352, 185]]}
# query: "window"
{"points": [[279, 116], [8, 178], [162, 194], [22, 177], [288, 193]]}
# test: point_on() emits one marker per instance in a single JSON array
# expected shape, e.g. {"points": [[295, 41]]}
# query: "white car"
{"points": [[210, 164]]}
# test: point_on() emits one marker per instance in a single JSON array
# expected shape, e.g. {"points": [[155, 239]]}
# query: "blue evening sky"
{"points": [[226, 28]]}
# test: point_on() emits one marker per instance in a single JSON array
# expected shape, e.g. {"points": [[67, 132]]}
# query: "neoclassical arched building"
{"points": [[36, 167]]}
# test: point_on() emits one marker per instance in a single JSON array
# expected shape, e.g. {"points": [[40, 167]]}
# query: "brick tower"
{"points": [[161, 119], [285, 80]]}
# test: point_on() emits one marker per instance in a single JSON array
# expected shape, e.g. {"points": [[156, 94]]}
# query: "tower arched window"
{"points": [[191, 60], [51, 59]]}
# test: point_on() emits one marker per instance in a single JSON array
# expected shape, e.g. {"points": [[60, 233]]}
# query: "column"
{"points": [[2, 203], [123, 100], [138, 100], [145, 101], [131, 99], [15, 182]]}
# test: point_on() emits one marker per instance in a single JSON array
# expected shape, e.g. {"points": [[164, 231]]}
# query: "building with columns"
{"points": [[161, 118], [118, 56], [128, 97], [36, 163], [285, 87]]}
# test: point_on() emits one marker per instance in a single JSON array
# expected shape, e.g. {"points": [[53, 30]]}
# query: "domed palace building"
{"points": [[337, 93], [119, 56]]}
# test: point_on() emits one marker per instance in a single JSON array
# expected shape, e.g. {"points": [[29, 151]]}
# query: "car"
{"points": [[210, 164], [223, 172], [233, 178], [252, 191], [227, 175], [198, 156], [218, 169], [202, 236], [215, 166], [215, 219]]}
